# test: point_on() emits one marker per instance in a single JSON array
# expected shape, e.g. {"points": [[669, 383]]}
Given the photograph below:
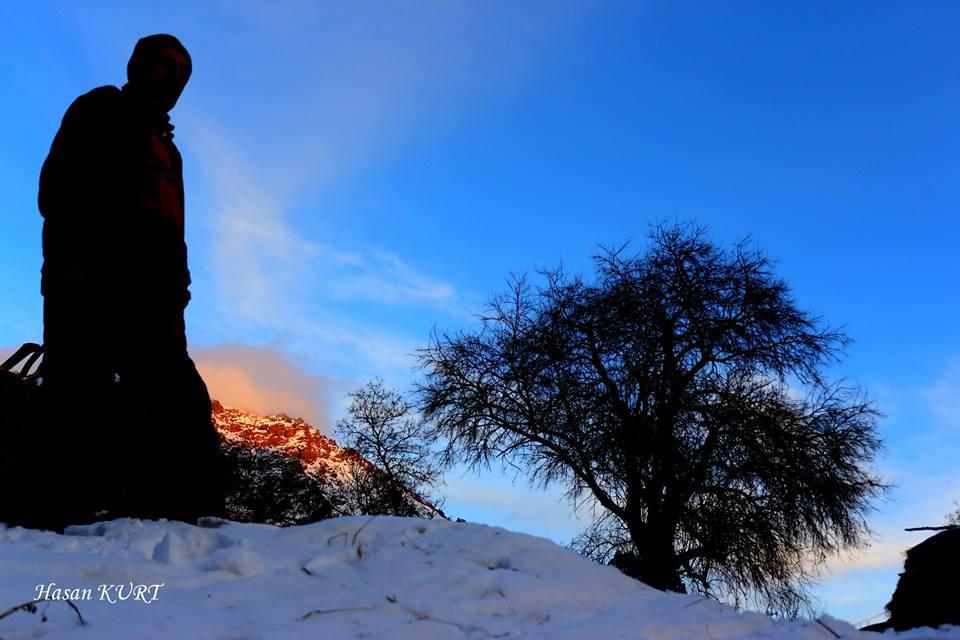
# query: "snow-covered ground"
{"points": [[354, 577]]}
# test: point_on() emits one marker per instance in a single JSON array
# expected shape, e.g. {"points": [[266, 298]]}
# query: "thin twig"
{"points": [[414, 544], [873, 617], [26, 606], [320, 612], [943, 528], [832, 632], [74, 607], [31, 606], [354, 541], [698, 601], [332, 538]]}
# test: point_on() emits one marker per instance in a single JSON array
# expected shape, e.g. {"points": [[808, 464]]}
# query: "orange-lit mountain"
{"points": [[287, 460], [319, 455]]}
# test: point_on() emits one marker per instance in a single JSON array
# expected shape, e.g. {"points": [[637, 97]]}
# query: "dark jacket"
{"points": [[111, 194]]}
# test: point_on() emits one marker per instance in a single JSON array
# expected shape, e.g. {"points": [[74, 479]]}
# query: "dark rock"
{"points": [[928, 591]]}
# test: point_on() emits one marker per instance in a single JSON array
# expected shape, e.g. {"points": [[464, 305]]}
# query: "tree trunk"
{"points": [[654, 561]]}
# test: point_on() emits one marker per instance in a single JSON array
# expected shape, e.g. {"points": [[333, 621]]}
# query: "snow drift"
{"points": [[355, 577]]}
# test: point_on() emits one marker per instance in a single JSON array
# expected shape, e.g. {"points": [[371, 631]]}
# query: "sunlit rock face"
{"points": [[283, 471], [319, 455]]}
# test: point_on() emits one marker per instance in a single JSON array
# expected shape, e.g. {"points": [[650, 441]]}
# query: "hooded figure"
{"points": [[115, 286]]}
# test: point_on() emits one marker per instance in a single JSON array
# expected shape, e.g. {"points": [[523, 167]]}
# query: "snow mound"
{"points": [[358, 577]]}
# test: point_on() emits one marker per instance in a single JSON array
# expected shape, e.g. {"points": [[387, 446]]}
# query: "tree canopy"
{"points": [[385, 429], [683, 394]]}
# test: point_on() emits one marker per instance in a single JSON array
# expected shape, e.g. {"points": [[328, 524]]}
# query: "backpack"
{"points": [[19, 390], [29, 350], [21, 425]]}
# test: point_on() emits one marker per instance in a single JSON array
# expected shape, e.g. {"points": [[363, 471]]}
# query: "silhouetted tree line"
{"points": [[269, 486], [682, 396]]}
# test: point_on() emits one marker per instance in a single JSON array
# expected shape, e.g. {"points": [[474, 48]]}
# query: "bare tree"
{"points": [[954, 518], [683, 394], [386, 429]]}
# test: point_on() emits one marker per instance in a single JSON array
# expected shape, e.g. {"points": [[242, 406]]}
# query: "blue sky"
{"points": [[357, 173]]}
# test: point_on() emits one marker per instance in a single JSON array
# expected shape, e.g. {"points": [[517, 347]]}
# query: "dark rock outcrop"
{"points": [[928, 592]]}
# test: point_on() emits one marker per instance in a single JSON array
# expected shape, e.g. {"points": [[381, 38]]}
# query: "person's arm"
{"points": [[83, 158], [80, 192]]}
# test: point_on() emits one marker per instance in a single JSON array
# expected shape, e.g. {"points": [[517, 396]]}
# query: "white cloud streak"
{"points": [[270, 276]]}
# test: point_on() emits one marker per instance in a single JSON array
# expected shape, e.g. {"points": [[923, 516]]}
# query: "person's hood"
{"points": [[161, 88]]}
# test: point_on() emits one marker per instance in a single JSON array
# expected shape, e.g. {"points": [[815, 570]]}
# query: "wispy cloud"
{"points": [[887, 554], [943, 396], [261, 262], [273, 131], [923, 501], [380, 276], [270, 276], [265, 381]]}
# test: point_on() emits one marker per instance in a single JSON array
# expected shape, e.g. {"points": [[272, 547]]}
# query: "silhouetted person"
{"points": [[126, 399]]}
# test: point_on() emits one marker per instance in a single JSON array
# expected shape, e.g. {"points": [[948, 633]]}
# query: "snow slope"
{"points": [[357, 577]]}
